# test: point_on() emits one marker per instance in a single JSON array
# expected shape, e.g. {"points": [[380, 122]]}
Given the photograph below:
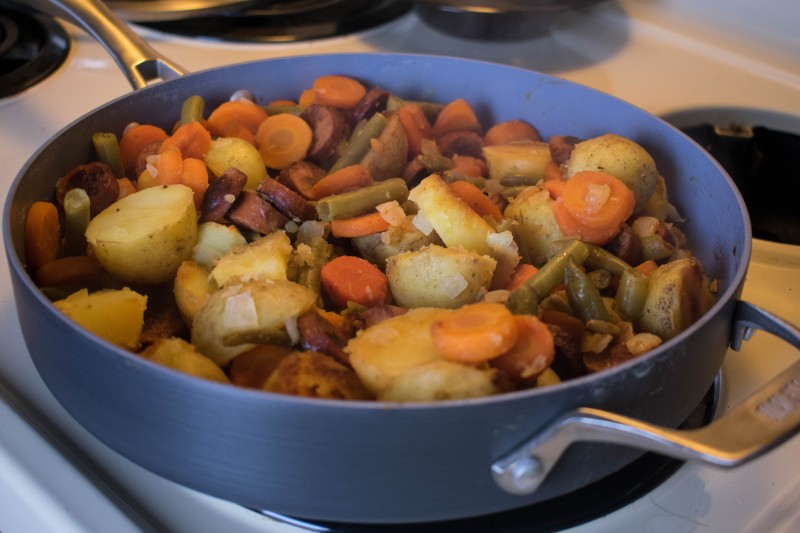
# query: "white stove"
{"points": [[664, 56]]}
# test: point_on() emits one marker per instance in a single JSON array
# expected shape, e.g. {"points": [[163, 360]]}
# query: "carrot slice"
{"points": [[134, 139], [475, 333], [457, 115], [359, 226], [470, 166], [522, 273], [571, 227], [416, 126], [282, 103], [307, 97], [345, 179], [283, 139], [647, 267], [554, 187], [531, 355], [598, 200], [126, 188], [510, 131], [338, 91], [66, 270], [42, 235], [552, 171], [238, 118], [195, 176], [348, 278], [475, 199], [166, 169], [191, 139]]}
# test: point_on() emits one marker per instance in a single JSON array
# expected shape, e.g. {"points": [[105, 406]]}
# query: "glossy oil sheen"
{"points": [[363, 461]]}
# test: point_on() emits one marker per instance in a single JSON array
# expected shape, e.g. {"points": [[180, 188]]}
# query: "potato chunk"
{"points": [[677, 295], [214, 240], [179, 355], [145, 236], [536, 227], [227, 152], [114, 315], [264, 259], [435, 276], [240, 314], [192, 288], [397, 361], [315, 375], [519, 159]]}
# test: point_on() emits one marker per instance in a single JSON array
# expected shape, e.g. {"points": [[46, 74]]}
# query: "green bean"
{"points": [[631, 294], [308, 274], [516, 180], [106, 146], [583, 296], [513, 192], [284, 109], [523, 301], [552, 273], [430, 109], [600, 258], [361, 201], [76, 218], [452, 175], [360, 142], [655, 247], [192, 109]]}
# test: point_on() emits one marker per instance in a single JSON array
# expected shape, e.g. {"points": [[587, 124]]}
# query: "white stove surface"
{"points": [[663, 56]]}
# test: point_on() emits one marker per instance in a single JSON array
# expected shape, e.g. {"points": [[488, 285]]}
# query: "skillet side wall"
{"points": [[371, 462]]}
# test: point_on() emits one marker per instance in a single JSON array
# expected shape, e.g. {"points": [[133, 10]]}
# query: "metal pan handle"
{"points": [[760, 423], [137, 59]]}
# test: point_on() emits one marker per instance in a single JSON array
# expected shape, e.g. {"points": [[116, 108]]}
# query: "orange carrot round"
{"points": [[237, 118], [307, 97], [531, 354], [68, 270], [338, 91], [42, 235], [522, 273], [470, 166], [571, 227], [457, 115], [475, 333], [646, 268], [283, 139], [359, 226], [475, 199], [598, 200], [510, 131], [195, 176], [345, 179], [166, 169], [191, 139], [348, 278], [134, 139], [552, 171], [416, 126], [554, 187]]}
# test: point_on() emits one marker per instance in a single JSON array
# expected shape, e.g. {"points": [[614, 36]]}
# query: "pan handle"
{"points": [[138, 60], [760, 423]]}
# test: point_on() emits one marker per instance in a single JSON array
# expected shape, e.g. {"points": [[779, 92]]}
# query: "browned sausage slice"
{"points": [[256, 214], [286, 200], [96, 179], [221, 194]]}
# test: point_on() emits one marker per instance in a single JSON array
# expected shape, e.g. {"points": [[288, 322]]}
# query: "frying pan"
{"points": [[374, 462]]}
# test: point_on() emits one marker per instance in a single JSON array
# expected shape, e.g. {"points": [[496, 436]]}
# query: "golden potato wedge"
{"points": [[435, 276], [179, 355], [316, 375], [526, 159], [264, 259], [536, 228], [192, 288], [145, 236], [114, 315], [240, 314], [441, 380]]}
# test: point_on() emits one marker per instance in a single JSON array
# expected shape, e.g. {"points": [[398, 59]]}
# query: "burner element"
{"points": [[287, 21], [32, 46]]}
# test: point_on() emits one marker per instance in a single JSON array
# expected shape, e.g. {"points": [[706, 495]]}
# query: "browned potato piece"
{"points": [[252, 368], [180, 355], [192, 288], [315, 375]]}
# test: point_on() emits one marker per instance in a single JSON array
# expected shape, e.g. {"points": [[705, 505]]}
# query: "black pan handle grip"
{"points": [[761, 422], [141, 63]]}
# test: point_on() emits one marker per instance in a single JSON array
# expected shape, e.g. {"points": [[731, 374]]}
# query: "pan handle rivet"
{"points": [[526, 473]]}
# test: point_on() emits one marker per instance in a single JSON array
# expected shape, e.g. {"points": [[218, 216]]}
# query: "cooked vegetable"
{"points": [[583, 296], [525, 158], [631, 294], [388, 152], [315, 375], [531, 354], [106, 145], [536, 229], [350, 178], [191, 139], [416, 126], [349, 278], [511, 131], [42, 235], [236, 118], [265, 259], [283, 139], [338, 91], [475, 333], [360, 140], [180, 355], [227, 152], [476, 200], [77, 212], [135, 138], [361, 201], [71, 270], [193, 109], [116, 316], [145, 237], [359, 226], [435, 276], [456, 115], [192, 287]]}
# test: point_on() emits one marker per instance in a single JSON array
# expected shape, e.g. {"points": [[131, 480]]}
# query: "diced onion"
{"points": [[596, 196], [453, 285], [642, 342], [391, 212], [645, 226], [497, 296], [242, 94], [310, 229], [292, 329], [240, 311], [422, 223], [304, 254], [503, 239]]}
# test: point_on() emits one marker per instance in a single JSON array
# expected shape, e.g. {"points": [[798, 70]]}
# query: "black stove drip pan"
{"points": [[580, 507], [287, 20], [32, 46]]}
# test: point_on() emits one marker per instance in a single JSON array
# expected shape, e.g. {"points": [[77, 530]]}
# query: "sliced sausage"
{"points": [[461, 142], [301, 176], [221, 195], [256, 214], [96, 179], [286, 200], [329, 128], [373, 102], [320, 335], [561, 147], [626, 245]]}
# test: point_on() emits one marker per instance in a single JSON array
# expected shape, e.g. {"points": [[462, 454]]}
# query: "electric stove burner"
{"points": [[570, 510], [287, 21], [32, 46]]}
